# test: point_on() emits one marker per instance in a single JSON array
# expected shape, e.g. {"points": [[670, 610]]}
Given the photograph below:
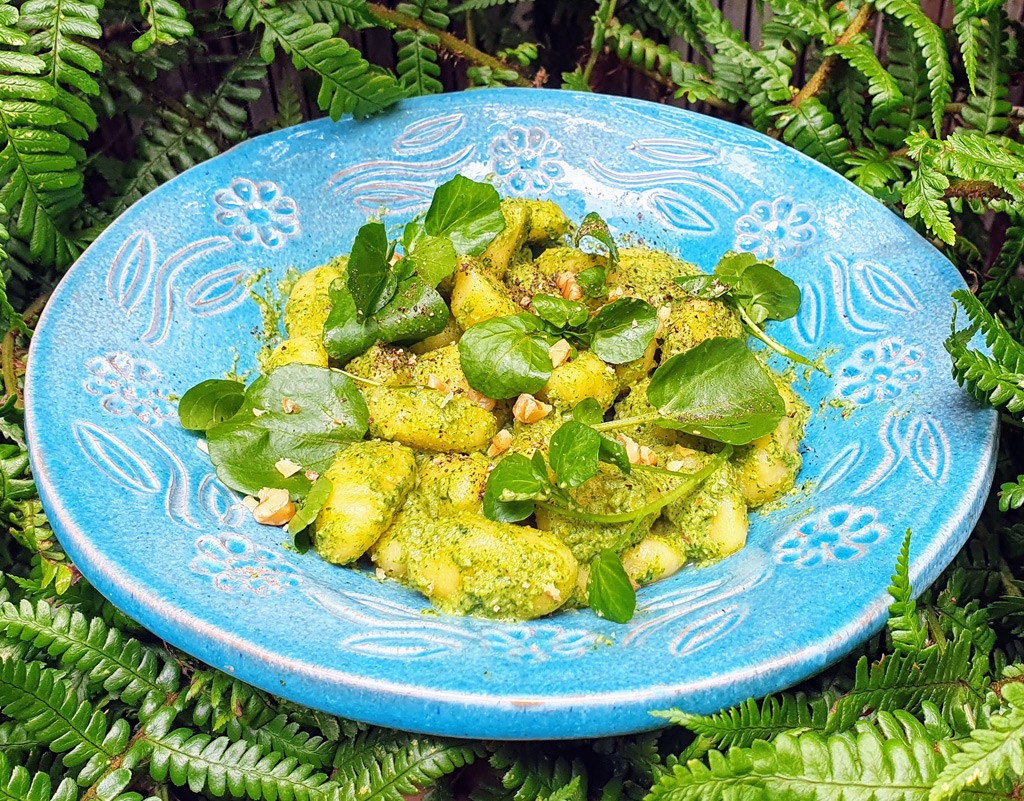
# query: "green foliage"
{"points": [[908, 635]]}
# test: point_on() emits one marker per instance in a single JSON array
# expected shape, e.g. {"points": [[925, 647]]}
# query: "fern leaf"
{"points": [[289, 106], [631, 46], [15, 738], [39, 698], [17, 784], [973, 155], [133, 672], [874, 169], [287, 738], [1011, 494], [966, 26], [989, 753], [432, 12], [348, 84], [924, 197], [676, 17], [884, 91], [995, 379], [811, 128], [479, 5], [219, 767], [907, 67], [987, 109], [530, 773], [354, 14], [908, 635], [168, 24], [417, 66], [392, 764], [933, 47], [742, 725]]}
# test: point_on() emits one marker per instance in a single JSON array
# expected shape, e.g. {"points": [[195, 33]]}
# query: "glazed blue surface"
{"points": [[159, 303]]}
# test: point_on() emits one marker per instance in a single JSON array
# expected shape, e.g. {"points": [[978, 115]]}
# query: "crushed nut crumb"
{"points": [[527, 409], [275, 508], [559, 353], [566, 283], [500, 443]]}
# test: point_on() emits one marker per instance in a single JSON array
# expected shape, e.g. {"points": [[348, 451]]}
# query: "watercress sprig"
{"points": [[756, 290], [378, 301], [506, 356]]}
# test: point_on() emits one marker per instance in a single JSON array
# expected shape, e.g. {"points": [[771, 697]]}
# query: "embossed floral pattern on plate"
{"points": [[257, 212]]}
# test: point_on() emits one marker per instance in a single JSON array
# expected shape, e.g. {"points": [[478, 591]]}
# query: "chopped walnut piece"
{"points": [[500, 443], [436, 383], [290, 406], [527, 409], [616, 293], [566, 283], [275, 507], [481, 400], [675, 465], [663, 314], [525, 301], [637, 454], [559, 353], [286, 467]]}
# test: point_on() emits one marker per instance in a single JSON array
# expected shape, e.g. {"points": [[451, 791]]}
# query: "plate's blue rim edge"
{"points": [[796, 667]]}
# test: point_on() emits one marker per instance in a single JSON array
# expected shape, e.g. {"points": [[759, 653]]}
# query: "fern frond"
{"points": [[811, 128], [1011, 494], [884, 91], [222, 703], [989, 753], [135, 673], [352, 14], [39, 698], [289, 106], [287, 738], [219, 767], [432, 12], [742, 725], [175, 140], [417, 66], [924, 196], [348, 84], [17, 784], [15, 738], [907, 67], [907, 632], [874, 169], [479, 5], [950, 679], [633, 47], [59, 27], [966, 24], [995, 379], [674, 16], [1004, 270], [972, 155], [168, 24], [930, 39], [529, 773], [987, 108], [392, 764]]}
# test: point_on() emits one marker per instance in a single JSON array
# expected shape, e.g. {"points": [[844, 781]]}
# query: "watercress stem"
{"points": [[626, 422], [779, 348], [691, 482]]}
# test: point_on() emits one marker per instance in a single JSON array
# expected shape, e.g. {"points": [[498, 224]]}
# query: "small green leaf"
{"points": [[561, 313], [415, 312], [705, 287], [717, 390], [614, 452], [506, 356], [588, 411], [210, 402], [467, 212], [511, 489], [325, 411], [594, 227], [433, 257], [573, 452], [370, 278], [311, 505], [609, 591], [765, 293], [593, 281], [622, 330], [345, 335]]}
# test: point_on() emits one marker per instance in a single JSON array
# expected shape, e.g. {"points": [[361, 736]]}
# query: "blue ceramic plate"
{"points": [[159, 303]]}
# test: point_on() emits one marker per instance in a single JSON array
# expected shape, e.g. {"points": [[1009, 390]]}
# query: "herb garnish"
{"points": [[610, 593], [756, 290], [594, 227]]}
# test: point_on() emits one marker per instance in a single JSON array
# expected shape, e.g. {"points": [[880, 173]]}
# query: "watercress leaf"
{"points": [[732, 265], [404, 268], [345, 335], [466, 212], [210, 402], [614, 452], [370, 279], [540, 468], [594, 227], [609, 591], [622, 330], [310, 506], [573, 453], [416, 312], [327, 412], [511, 489], [433, 257], [506, 356], [705, 287], [593, 282], [588, 411], [717, 390], [767, 294], [561, 313]]}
